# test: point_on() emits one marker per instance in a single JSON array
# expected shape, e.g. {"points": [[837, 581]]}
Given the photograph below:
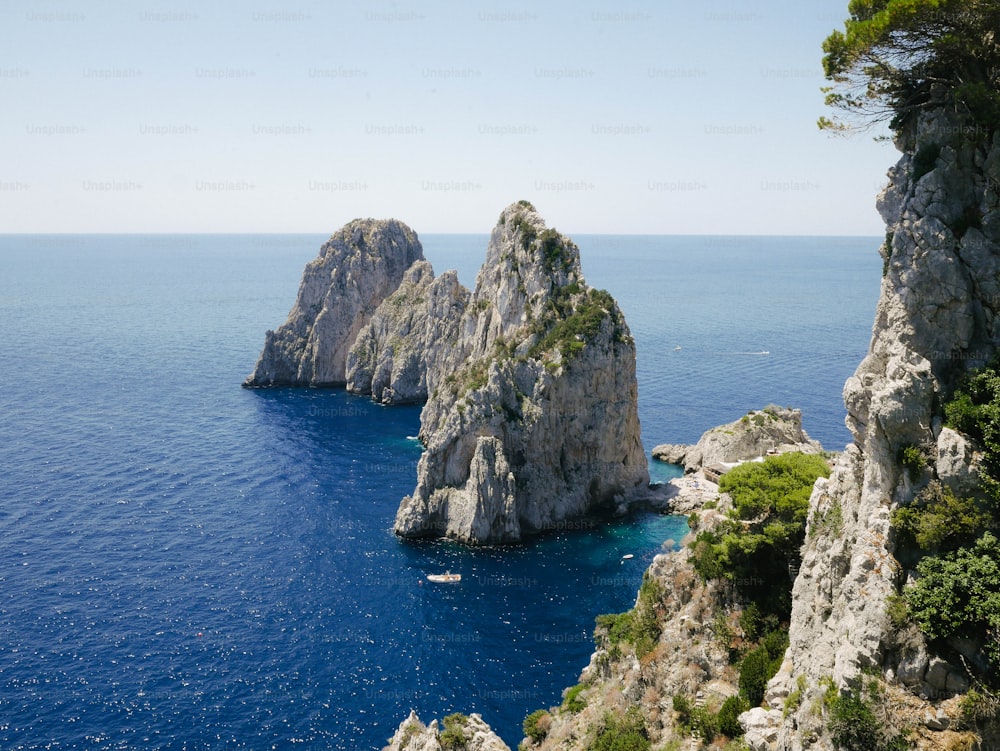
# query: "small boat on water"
{"points": [[446, 578], [628, 557]]}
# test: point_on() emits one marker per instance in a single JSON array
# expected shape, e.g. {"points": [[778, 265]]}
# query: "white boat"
{"points": [[627, 557], [446, 578]]}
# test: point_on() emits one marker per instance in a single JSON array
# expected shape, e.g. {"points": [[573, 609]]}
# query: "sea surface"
{"points": [[189, 565]]}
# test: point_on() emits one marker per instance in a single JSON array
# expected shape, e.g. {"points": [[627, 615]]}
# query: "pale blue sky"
{"points": [[644, 117]]}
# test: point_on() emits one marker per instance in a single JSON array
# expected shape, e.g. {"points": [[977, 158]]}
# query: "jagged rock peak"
{"points": [[357, 268], [531, 417]]}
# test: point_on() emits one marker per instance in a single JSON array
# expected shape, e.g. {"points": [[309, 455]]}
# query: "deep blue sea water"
{"points": [[189, 565]]}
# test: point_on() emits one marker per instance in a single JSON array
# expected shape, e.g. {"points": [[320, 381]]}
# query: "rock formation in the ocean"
{"points": [[357, 268], [409, 333], [532, 411], [772, 430]]}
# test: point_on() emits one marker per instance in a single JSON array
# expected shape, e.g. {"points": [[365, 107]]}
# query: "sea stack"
{"points": [[531, 418], [361, 264]]}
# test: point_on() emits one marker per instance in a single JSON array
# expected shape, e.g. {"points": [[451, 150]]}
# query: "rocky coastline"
{"points": [[852, 668]]}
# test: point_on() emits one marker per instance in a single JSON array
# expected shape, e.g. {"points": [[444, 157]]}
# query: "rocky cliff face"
{"points": [[408, 335], [360, 265], [937, 315], [531, 417]]}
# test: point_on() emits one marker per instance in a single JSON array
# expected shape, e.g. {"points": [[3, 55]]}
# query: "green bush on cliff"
{"points": [[536, 725], [939, 520], [766, 528], [760, 664], [857, 721], [639, 626], [572, 701], [958, 595], [453, 738], [974, 410], [621, 733], [571, 333]]}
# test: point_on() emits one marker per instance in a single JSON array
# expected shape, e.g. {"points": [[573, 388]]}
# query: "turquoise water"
{"points": [[190, 565]]}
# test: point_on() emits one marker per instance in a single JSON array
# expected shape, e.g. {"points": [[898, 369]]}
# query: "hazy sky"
{"points": [[642, 117]]}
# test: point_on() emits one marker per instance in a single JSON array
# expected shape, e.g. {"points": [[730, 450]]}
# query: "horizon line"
{"points": [[480, 234]]}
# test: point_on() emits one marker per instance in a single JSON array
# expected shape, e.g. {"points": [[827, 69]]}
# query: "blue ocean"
{"points": [[186, 564]]}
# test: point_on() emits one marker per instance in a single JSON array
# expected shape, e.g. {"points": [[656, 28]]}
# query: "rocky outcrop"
{"points": [[409, 333], [938, 314], [772, 430], [532, 414], [360, 265], [413, 735]]}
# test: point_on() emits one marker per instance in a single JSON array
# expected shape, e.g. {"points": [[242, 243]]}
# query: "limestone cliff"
{"points": [[532, 411], [938, 314], [773, 430], [409, 333], [357, 268]]}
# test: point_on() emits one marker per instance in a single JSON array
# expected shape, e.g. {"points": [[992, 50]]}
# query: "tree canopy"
{"points": [[897, 57]]}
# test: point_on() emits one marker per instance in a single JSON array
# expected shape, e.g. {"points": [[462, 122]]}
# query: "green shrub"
{"points": [[683, 707], [974, 409], [453, 738], [573, 702], [958, 594], [536, 725], [980, 706], [854, 724], [939, 520], [912, 459], [794, 699], [830, 523], [704, 723], [897, 611], [760, 664], [639, 626], [729, 713], [781, 485], [626, 733], [774, 495], [750, 621]]}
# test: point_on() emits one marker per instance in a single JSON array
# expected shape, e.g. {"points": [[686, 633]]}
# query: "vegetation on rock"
{"points": [[861, 721], [958, 595], [617, 733], [895, 58], [639, 626], [536, 725], [453, 738], [762, 537]]}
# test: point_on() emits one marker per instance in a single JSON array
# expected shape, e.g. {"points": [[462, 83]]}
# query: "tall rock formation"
{"points": [[408, 334], [360, 265], [938, 314], [532, 411]]}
